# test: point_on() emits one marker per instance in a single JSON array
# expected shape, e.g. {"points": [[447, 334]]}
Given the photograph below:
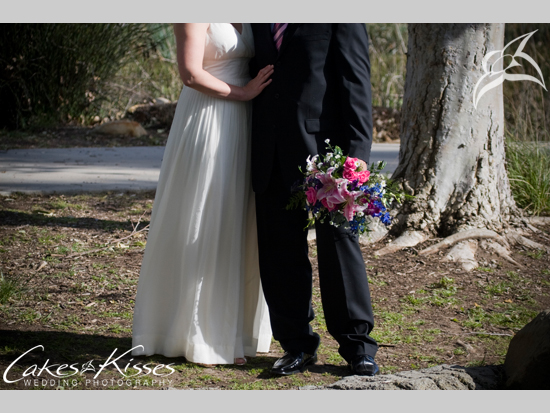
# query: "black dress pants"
{"points": [[286, 276]]}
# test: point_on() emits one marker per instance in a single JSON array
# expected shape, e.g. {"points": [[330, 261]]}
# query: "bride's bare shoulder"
{"points": [[187, 29]]}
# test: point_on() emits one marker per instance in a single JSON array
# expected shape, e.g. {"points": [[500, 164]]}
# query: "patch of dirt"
{"points": [[74, 263]]}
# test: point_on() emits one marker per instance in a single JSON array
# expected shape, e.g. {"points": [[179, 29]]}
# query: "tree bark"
{"points": [[452, 155]]}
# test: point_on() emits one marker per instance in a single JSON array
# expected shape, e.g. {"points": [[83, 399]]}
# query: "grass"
{"points": [[527, 125], [498, 288], [9, 288], [62, 204], [82, 307], [537, 255], [394, 328], [529, 174], [387, 48], [509, 315], [439, 294]]}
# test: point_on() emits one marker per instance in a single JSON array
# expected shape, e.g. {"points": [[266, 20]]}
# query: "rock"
{"points": [[378, 232], [464, 252], [443, 377], [527, 363], [121, 127], [159, 114], [162, 101]]}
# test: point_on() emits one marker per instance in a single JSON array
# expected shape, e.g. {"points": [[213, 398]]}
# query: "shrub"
{"points": [[49, 73]]}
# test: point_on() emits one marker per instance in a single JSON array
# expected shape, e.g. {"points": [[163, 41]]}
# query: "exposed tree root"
{"points": [[500, 250], [464, 244], [539, 220], [517, 239], [463, 236], [407, 239], [464, 252], [536, 230]]}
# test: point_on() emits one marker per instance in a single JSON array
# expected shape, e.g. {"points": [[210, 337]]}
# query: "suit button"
{"points": [[276, 96]]}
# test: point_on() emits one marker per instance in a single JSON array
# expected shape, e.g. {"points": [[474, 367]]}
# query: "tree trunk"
{"points": [[452, 156]]}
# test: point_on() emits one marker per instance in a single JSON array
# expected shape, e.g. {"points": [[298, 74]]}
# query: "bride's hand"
{"points": [[256, 85]]}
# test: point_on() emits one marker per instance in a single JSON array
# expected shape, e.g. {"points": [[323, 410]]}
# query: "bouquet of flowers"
{"points": [[336, 188]]}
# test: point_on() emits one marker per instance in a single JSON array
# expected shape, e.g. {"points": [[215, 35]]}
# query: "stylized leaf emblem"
{"points": [[501, 75], [87, 366]]}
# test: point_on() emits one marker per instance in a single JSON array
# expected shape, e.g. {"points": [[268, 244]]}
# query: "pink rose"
{"points": [[351, 174], [311, 195], [363, 176], [350, 164]]}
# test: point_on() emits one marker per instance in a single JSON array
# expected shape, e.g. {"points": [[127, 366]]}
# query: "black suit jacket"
{"points": [[320, 90]]}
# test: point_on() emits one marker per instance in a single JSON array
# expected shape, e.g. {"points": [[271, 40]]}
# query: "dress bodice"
{"points": [[227, 52]]}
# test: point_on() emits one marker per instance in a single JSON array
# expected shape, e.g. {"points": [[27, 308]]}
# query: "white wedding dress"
{"points": [[199, 294]]}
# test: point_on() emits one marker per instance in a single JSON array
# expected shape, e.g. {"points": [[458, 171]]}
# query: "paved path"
{"points": [[75, 170]]}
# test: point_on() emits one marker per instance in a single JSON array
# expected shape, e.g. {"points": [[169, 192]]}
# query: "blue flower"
{"points": [[379, 205]]}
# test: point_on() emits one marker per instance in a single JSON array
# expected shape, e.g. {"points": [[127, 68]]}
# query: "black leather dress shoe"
{"points": [[364, 366], [293, 363]]}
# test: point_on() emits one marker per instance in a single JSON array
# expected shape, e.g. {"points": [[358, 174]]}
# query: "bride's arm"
{"points": [[190, 41]]}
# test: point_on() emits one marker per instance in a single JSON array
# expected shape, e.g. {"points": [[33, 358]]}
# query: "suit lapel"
{"points": [[289, 32], [268, 39]]}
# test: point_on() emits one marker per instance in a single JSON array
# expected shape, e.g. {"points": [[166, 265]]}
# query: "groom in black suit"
{"points": [[320, 90]]}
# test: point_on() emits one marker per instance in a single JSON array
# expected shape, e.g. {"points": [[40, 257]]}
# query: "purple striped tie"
{"points": [[278, 30]]}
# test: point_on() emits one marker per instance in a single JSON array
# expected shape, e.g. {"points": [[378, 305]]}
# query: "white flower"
{"points": [[327, 140], [320, 165], [337, 156], [329, 155]]}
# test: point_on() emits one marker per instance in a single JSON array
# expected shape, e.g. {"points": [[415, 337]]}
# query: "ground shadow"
{"points": [[10, 218]]}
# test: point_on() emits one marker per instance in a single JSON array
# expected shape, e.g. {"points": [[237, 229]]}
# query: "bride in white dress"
{"points": [[199, 294]]}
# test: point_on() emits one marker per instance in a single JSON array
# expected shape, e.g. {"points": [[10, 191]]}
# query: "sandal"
{"points": [[241, 361]]}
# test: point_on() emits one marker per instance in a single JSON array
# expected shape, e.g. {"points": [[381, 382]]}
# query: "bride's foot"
{"points": [[240, 361]]}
